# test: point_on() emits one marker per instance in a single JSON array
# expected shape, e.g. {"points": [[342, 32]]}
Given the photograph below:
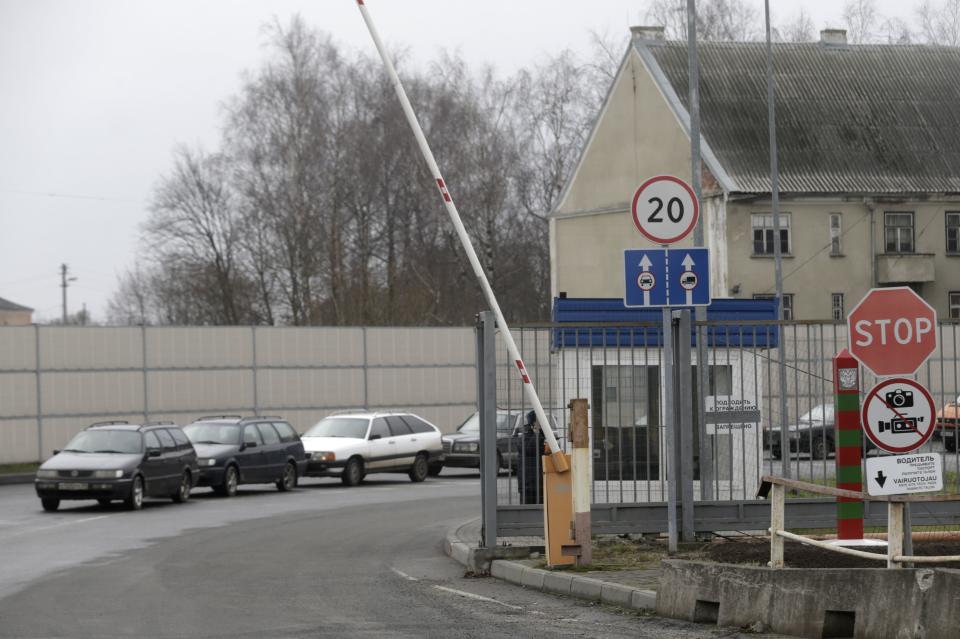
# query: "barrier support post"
{"points": [[777, 504], [581, 470], [557, 512], [847, 439], [894, 532]]}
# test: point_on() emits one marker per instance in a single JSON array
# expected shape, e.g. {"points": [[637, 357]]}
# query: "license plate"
{"points": [[72, 486]]}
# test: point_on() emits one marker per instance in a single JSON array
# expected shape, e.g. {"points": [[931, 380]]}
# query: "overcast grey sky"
{"points": [[97, 93]]}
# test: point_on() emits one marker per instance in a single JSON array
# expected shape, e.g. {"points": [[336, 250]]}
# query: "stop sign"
{"points": [[892, 331]]}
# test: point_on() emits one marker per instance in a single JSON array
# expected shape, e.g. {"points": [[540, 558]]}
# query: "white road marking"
{"points": [[60, 525], [470, 595], [403, 574]]}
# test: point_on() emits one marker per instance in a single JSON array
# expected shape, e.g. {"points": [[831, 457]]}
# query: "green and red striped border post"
{"points": [[846, 388]]}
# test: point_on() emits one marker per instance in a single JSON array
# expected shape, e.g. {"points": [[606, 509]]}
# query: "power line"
{"points": [[73, 196]]}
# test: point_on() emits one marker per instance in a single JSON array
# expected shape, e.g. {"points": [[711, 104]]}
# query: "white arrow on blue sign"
{"points": [[666, 277], [645, 271], [689, 277]]}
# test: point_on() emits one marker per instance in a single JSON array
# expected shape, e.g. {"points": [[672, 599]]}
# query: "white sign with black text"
{"points": [[726, 414], [902, 474]]}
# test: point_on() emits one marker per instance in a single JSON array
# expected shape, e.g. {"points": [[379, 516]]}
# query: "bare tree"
{"points": [[799, 28], [194, 224], [939, 22], [729, 20], [861, 19]]}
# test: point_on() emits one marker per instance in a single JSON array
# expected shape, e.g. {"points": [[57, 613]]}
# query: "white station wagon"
{"points": [[351, 445]]}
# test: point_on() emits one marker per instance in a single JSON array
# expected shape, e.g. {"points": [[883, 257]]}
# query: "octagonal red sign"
{"points": [[892, 331]]}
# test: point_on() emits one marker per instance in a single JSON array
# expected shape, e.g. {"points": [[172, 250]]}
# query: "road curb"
{"points": [[482, 561], [20, 478]]}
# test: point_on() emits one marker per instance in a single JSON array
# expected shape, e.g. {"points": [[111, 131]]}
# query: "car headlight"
{"points": [[469, 447], [207, 462], [324, 456], [108, 474], [47, 474]]}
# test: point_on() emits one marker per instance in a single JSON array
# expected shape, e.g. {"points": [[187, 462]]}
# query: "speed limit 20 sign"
{"points": [[665, 209]]}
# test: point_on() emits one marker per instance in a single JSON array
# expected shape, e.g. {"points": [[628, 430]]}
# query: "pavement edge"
{"points": [[497, 563]]}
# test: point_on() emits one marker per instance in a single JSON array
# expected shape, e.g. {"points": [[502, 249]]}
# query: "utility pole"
{"points": [[64, 283], [777, 251]]}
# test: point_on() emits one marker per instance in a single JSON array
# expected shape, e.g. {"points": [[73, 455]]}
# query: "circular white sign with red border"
{"points": [[665, 209], [898, 415]]}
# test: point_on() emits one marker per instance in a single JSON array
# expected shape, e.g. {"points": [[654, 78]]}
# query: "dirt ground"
{"points": [[797, 555], [626, 554]]}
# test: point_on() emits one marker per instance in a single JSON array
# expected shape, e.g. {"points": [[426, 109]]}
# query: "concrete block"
{"points": [[507, 570], [586, 588], [616, 595], [861, 602], [533, 578], [558, 583], [644, 600], [460, 553]]}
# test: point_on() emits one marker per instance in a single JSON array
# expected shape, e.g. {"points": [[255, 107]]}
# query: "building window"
{"points": [[836, 232], [787, 302], [953, 232], [898, 230], [836, 306], [954, 305], [763, 233]]}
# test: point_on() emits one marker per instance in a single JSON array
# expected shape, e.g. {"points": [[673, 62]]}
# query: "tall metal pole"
{"points": [[693, 75], [559, 459], [700, 313], [487, 404], [777, 257]]}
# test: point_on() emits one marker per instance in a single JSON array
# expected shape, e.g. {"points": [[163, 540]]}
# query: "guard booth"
{"points": [[613, 355]]}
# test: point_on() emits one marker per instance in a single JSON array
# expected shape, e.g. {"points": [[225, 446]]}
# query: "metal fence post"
{"points": [[669, 421], [684, 414], [487, 407], [143, 357], [366, 369], [256, 382], [36, 337]]}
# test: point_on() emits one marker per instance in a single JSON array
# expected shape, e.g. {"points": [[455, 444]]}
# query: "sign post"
{"points": [[846, 389], [666, 210]]}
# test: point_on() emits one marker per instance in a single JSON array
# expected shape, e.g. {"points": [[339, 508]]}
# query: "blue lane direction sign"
{"points": [[645, 271], [689, 277]]}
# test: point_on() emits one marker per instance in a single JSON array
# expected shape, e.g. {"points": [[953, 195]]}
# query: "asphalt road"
{"points": [[322, 561]]}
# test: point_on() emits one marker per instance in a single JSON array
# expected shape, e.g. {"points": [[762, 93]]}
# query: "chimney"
{"points": [[647, 35], [834, 37]]}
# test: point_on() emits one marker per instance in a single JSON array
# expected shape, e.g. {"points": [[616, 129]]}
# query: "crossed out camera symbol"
{"points": [[896, 400]]}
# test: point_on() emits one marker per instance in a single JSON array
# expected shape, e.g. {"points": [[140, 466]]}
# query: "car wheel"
{"points": [[434, 469], [230, 481], [183, 492], [353, 474], [135, 500], [775, 452], [103, 502], [50, 504], [819, 449], [420, 469], [288, 481]]}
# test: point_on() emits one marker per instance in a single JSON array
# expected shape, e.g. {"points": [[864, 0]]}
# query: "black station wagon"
{"points": [[120, 461], [236, 450]]}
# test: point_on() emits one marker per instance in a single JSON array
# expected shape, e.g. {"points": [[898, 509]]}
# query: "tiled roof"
{"points": [[7, 305], [870, 119]]}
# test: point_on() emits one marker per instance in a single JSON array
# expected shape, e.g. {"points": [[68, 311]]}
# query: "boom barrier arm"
{"points": [[559, 460]]}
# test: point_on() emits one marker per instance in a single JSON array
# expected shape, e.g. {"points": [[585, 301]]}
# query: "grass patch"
{"points": [[17, 469], [623, 553]]}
